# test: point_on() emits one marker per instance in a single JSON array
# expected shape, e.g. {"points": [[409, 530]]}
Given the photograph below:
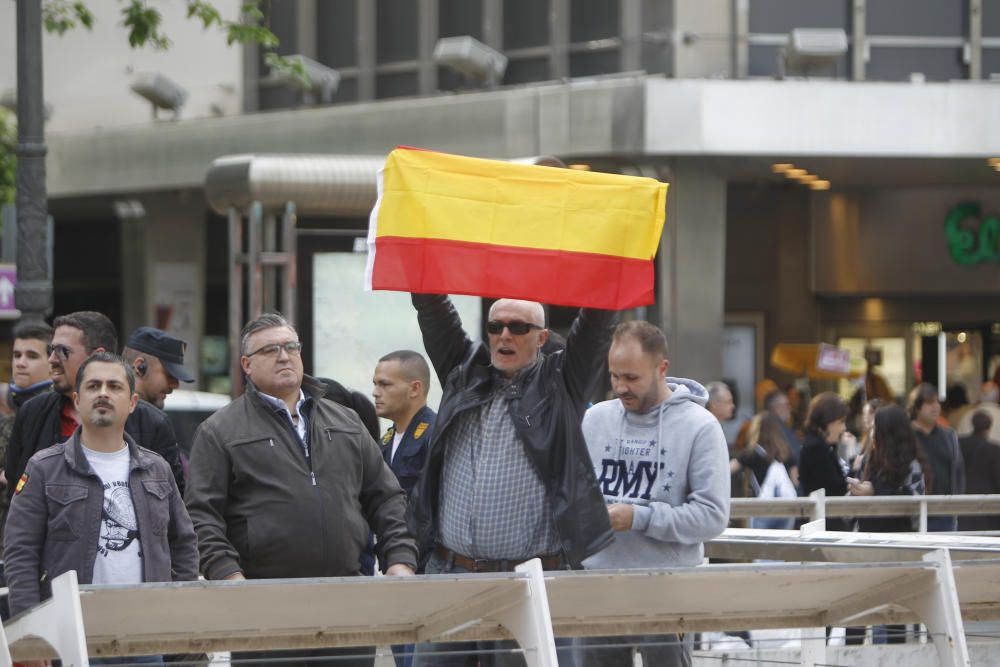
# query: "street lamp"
{"points": [[320, 79], [471, 58], [160, 91]]}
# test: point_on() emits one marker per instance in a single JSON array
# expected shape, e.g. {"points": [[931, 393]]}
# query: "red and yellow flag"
{"points": [[446, 224]]}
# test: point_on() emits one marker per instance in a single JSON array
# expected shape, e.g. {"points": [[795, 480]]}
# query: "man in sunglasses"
{"points": [[286, 484], [52, 418], [508, 477]]}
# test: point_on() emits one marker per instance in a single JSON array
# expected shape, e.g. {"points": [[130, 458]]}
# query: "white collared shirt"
{"points": [[299, 421]]}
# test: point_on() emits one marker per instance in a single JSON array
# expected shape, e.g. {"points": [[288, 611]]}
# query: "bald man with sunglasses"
{"points": [[508, 477]]}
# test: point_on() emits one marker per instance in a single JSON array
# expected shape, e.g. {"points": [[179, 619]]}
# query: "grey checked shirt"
{"points": [[492, 503]]}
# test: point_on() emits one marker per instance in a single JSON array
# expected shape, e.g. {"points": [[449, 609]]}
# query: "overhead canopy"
{"points": [[817, 361], [320, 184], [317, 184]]}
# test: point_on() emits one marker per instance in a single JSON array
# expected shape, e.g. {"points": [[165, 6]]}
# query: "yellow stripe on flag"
{"points": [[453, 198]]}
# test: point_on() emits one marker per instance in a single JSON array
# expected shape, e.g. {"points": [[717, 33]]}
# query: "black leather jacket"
{"points": [[547, 405]]}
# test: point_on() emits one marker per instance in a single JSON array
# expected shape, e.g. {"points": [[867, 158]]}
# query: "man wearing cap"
{"points": [[52, 417], [157, 359]]}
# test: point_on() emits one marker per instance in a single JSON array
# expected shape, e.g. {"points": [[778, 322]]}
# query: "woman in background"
{"points": [[819, 465], [894, 467], [773, 467]]}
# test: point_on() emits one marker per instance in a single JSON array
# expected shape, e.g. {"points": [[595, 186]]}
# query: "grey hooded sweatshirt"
{"points": [[672, 464]]}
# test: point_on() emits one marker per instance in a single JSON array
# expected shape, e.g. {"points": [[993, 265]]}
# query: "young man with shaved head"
{"points": [[400, 384], [508, 477]]}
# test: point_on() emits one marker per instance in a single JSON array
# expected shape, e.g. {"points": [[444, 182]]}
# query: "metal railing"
{"points": [[819, 506]]}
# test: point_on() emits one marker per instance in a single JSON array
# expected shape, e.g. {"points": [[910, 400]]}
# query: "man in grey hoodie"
{"points": [[662, 464]]}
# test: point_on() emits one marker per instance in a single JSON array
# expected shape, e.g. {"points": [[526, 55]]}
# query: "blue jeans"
{"points": [[471, 654], [942, 524]]}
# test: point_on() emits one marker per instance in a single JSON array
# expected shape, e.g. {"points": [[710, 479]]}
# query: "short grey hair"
{"points": [[715, 389], [265, 321]]}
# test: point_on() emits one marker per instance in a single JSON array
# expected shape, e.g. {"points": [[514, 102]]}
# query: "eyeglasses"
{"points": [[516, 328], [292, 347], [59, 349]]}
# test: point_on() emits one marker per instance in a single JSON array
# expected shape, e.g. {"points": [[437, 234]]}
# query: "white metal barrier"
{"points": [[527, 605], [818, 505]]}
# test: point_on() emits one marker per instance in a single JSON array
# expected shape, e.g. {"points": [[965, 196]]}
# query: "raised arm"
{"points": [[445, 340], [586, 348]]}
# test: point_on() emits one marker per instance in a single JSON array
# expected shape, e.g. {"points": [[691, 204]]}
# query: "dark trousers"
{"points": [[473, 654], [351, 656], [659, 650]]}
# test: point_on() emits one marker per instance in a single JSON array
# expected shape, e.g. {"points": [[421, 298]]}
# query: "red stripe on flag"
{"points": [[436, 266]]}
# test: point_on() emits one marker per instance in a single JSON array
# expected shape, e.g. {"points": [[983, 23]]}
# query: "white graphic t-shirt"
{"points": [[119, 558]]}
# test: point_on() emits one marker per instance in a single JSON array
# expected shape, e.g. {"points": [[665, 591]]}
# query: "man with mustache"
{"points": [[98, 503], [507, 477], [52, 418]]}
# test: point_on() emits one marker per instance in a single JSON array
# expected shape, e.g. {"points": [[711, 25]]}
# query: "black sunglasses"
{"points": [[517, 328], [59, 349]]}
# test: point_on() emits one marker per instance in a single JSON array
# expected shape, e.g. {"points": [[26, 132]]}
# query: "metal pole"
{"points": [[289, 245], [33, 293], [236, 263]]}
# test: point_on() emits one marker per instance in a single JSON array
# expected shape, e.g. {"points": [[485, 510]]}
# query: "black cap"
{"points": [[163, 346]]}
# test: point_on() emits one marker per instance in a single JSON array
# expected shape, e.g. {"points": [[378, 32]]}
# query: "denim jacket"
{"points": [[55, 519]]}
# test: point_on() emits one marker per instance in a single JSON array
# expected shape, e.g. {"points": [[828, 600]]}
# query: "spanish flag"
{"points": [[446, 224]]}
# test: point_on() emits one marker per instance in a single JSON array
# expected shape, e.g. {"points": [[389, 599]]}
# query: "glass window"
{"points": [[396, 30], [367, 323], [889, 369], [525, 23], [782, 16], [896, 64], [336, 34], [991, 19], [278, 97], [991, 63], [396, 84], [593, 19], [460, 17], [933, 18], [595, 62], [527, 70]]}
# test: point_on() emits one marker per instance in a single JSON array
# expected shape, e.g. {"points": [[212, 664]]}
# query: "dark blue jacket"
{"points": [[412, 451]]}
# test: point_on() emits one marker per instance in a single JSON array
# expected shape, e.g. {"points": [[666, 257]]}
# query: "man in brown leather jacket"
{"points": [[98, 503]]}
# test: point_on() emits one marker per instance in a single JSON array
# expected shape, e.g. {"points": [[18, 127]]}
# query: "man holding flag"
{"points": [[508, 476]]}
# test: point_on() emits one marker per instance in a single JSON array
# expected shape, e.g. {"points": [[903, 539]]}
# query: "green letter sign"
{"points": [[969, 246]]}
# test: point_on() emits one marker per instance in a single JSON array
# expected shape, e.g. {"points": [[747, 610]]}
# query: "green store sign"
{"points": [[967, 244]]}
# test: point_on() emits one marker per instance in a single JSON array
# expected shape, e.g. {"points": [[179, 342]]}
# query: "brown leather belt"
{"points": [[549, 561]]}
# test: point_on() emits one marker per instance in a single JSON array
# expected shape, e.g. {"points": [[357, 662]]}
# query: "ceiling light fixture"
{"points": [[820, 185], [781, 167]]}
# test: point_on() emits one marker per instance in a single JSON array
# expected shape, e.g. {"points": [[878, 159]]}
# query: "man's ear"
{"points": [[543, 336], [245, 365], [416, 389], [663, 367], [133, 402], [76, 401]]}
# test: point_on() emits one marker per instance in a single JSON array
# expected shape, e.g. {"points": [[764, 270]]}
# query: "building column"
{"points": [[691, 271]]}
